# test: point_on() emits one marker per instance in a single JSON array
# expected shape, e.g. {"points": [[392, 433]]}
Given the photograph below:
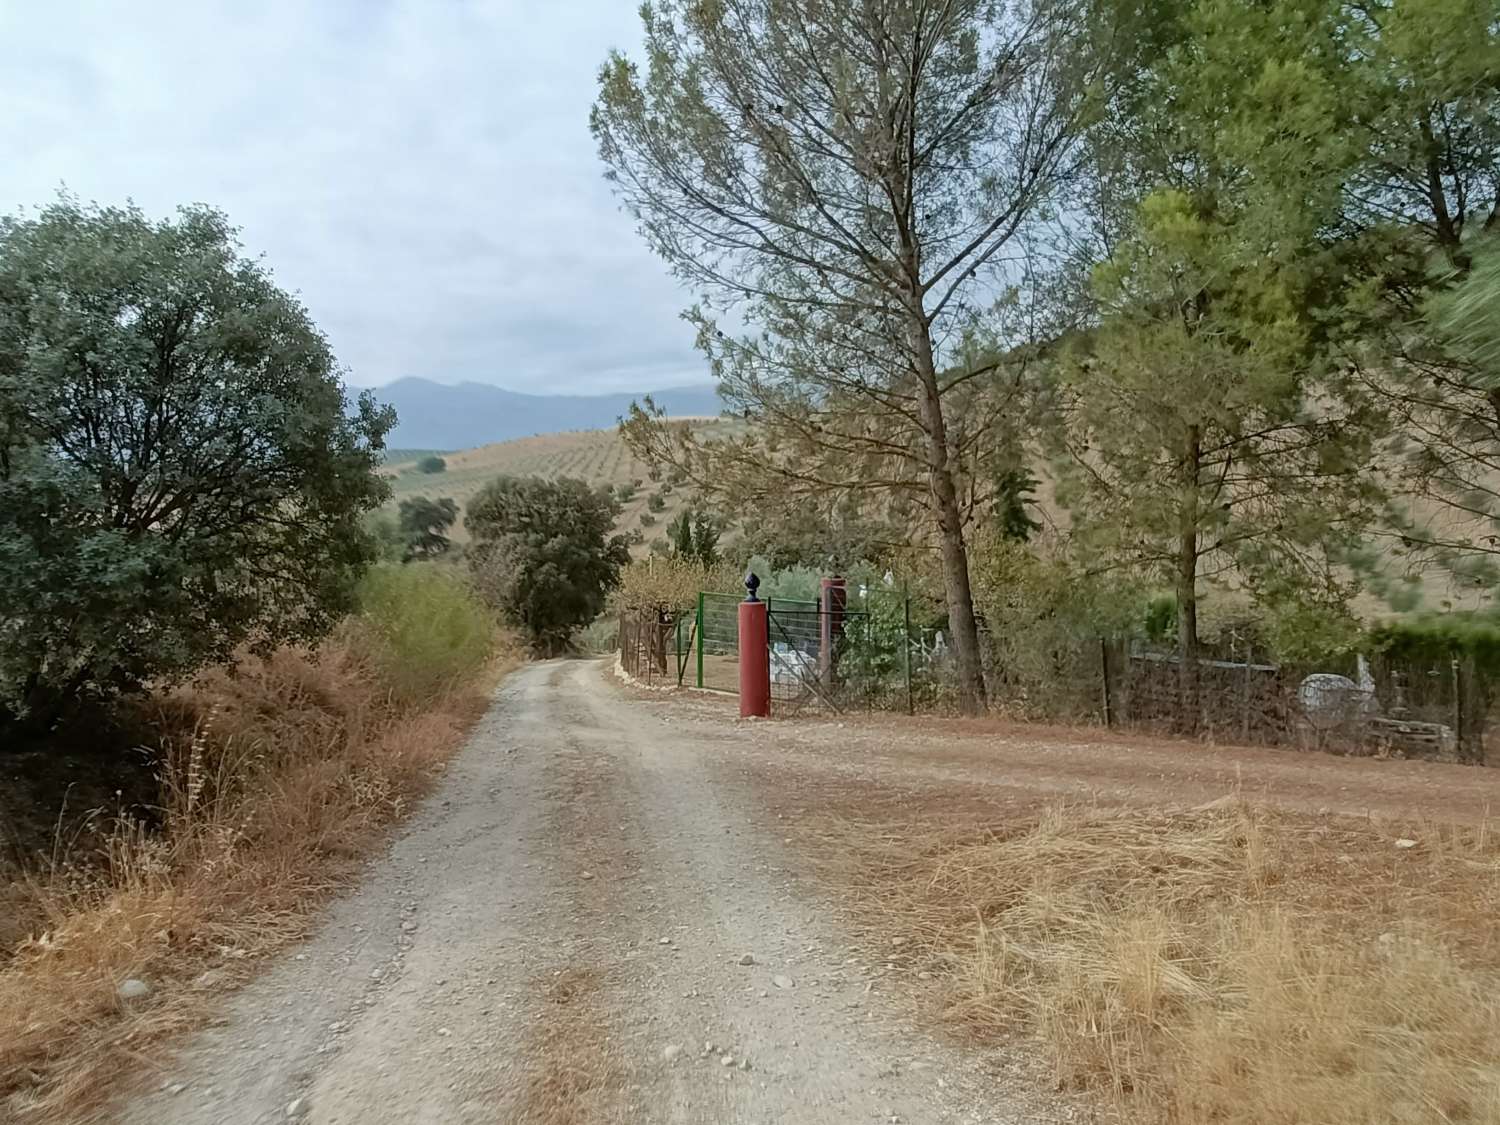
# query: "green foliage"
{"points": [[385, 534], [1013, 503], [432, 465], [1045, 617], [791, 583], [1339, 152], [1432, 638], [647, 519], [424, 525], [695, 537], [401, 455], [1466, 314], [180, 471], [656, 502], [1210, 436], [427, 627], [625, 493], [544, 554], [1161, 619]]}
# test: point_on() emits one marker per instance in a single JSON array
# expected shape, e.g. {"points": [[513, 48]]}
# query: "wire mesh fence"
{"points": [[877, 649], [716, 652], [653, 646]]}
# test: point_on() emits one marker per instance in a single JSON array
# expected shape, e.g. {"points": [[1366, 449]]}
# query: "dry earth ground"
{"points": [[619, 899]]}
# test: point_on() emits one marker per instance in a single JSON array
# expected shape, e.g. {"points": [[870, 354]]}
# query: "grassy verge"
{"points": [[1228, 966], [276, 779]]}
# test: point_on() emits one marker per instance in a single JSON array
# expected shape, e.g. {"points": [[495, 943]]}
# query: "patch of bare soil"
{"points": [[1186, 933]]}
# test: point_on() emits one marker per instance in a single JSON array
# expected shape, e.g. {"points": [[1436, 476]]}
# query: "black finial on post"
{"points": [[752, 583]]}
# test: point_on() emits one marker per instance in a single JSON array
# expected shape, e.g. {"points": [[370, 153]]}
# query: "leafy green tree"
{"points": [[424, 524], [1466, 314], [432, 464], [656, 502], [1372, 130], [1204, 439], [1192, 448], [1015, 498], [385, 534], [180, 471], [849, 177], [694, 537], [545, 554]]}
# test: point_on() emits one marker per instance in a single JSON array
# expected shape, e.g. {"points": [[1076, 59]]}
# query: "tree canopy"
{"points": [[694, 537], [857, 183], [545, 553], [180, 470], [424, 524]]}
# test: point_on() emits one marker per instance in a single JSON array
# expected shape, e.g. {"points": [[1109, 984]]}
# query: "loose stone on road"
{"points": [[572, 906]]}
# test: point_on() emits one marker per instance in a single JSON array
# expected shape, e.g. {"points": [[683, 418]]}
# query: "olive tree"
{"points": [[180, 470], [854, 182]]}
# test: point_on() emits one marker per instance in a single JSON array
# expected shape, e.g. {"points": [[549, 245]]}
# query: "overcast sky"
{"points": [[420, 171]]}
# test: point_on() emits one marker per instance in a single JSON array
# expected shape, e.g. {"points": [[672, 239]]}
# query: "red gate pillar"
{"points": [[755, 654], [831, 604]]}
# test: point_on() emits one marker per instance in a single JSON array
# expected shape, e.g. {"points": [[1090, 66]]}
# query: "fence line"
{"points": [[870, 654]]}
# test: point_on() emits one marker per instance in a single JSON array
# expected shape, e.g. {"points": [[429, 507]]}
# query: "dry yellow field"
{"points": [[597, 456]]}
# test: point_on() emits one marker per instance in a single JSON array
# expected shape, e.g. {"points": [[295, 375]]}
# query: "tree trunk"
{"points": [[971, 693], [1187, 586]]}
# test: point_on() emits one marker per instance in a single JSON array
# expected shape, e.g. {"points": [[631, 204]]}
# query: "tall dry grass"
{"points": [[276, 777], [1226, 966]]}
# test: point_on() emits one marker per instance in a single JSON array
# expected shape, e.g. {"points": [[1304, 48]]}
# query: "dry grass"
{"points": [[574, 1076], [1226, 966], [276, 780]]}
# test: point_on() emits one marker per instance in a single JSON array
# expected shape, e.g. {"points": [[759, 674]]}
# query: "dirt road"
{"points": [[593, 920], [603, 916]]}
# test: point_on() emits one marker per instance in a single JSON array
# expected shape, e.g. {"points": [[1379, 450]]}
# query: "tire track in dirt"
{"points": [[555, 938]]}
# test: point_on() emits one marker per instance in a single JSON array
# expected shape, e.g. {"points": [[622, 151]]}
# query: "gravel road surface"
{"points": [[592, 920]]}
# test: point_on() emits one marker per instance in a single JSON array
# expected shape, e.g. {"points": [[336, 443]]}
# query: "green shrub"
{"points": [[423, 627], [600, 637], [1437, 637], [432, 465], [385, 533], [655, 502]]}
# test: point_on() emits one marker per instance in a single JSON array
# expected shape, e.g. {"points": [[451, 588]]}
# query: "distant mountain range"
{"points": [[463, 415]]}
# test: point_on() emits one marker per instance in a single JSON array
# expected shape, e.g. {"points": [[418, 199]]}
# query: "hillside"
{"points": [[597, 456], [465, 415]]}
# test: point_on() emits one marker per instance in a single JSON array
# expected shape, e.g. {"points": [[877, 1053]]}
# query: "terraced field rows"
{"points": [[597, 456]]}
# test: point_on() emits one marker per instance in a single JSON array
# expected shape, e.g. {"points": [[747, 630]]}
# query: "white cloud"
{"points": [[421, 171]]}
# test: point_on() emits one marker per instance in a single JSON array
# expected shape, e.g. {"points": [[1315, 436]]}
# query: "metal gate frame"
{"points": [[807, 642]]}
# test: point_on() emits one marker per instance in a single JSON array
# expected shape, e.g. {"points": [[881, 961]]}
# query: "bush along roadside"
{"points": [[276, 777]]}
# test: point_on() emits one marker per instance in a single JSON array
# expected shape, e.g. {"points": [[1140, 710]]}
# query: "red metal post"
{"points": [[755, 660], [832, 601]]}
